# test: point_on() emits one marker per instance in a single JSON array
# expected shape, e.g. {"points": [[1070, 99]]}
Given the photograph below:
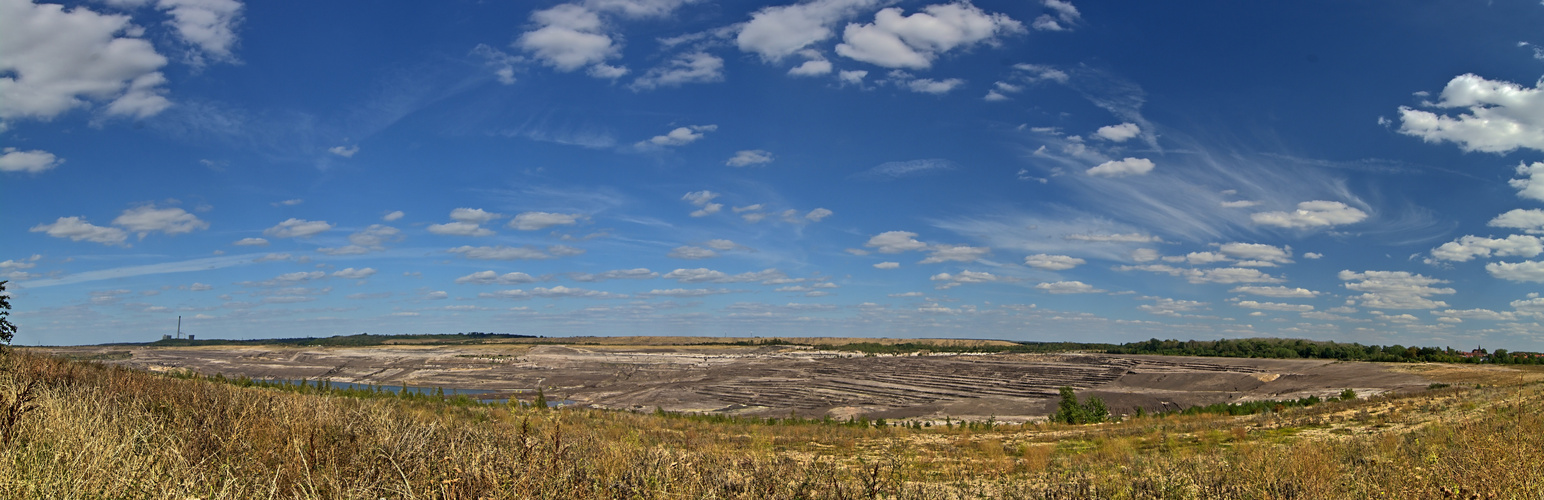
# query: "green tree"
{"points": [[1071, 412], [541, 399], [1068, 410], [7, 328], [1095, 410]]}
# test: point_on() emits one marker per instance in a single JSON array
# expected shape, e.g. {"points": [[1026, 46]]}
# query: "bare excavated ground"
{"points": [[777, 380]]}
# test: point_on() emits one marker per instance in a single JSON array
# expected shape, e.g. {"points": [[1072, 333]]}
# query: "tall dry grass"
{"points": [[104, 432]]}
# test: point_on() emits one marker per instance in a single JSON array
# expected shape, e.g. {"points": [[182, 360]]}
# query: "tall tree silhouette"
{"points": [[7, 329]]}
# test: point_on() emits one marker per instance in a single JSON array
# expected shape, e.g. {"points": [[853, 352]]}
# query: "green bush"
{"points": [[1069, 411]]}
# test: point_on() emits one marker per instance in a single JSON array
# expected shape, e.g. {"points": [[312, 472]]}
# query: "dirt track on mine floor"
{"points": [[777, 380]]}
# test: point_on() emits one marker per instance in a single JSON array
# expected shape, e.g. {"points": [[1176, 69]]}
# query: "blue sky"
{"points": [[1030, 170]]}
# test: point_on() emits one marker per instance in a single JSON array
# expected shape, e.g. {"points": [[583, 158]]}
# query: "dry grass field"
{"points": [[101, 431]]}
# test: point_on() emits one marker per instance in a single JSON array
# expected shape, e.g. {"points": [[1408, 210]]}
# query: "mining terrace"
{"points": [[777, 380]]}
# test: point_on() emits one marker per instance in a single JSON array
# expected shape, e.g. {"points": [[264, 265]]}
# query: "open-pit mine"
{"points": [[782, 379]]}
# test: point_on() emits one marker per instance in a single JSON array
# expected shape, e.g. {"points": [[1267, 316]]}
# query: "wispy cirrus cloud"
{"points": [[205, 264], [890, 171]]}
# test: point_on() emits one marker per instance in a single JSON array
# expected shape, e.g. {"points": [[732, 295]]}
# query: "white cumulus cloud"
{"points": [[1164, 306], [1118, 133], [32, 162], [704, 275], [1223, 275], [499, 252], [813, 67], [1062, 17], [468, 222], [1530, 221], [354, 274], [704, 200], [532, 221], [931, 86], [369, 239], [1274, 306], [692, 253], [954, 253], [460, 229], [1529, 271], [619, 274], [1257, 251], [473, 215], [1468, 247], [1067, 287], [148, 219], [963, 277], [1479, 314], [680, 136], [1311, 214], [1501, 116], [1199, 258], [493, 278], [1395, 289], [1053, 262], [895, 242], [297, 228], [1276, 291], [568, 37], [207, 25], [374, 236], [1122, 168], [77, 229], [894, 40], [54, 60], [749, 157], [1531, 183], [777, 32]]}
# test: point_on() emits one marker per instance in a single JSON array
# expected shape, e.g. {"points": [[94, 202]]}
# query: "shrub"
{"points": [[1071, 412]]}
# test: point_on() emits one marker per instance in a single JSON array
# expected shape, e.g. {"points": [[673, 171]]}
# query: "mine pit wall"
{"points": [[774, 381]]}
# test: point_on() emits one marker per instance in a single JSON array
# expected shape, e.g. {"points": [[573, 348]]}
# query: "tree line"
{"points": [[1304, 349]]}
